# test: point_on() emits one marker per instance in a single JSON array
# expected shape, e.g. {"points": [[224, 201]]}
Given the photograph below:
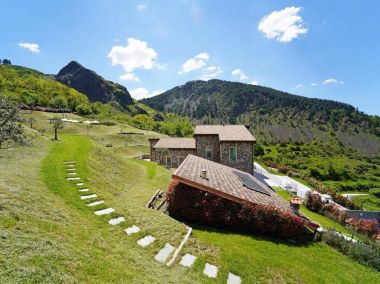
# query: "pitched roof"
{"points": [[175, 143], [226, 182], [226, 132]]}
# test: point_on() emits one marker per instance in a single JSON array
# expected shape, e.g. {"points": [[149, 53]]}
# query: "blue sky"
{"points": [[325, 49]]}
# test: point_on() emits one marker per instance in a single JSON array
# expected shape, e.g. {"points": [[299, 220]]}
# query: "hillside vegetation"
{"points": [[49, 235], [274, 116], [33, 88]]}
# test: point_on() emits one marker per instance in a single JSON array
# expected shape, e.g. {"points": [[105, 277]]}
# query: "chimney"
{"points": [[204, 174]]}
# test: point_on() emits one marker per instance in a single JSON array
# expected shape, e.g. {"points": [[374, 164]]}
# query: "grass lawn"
{"points": [[369, 202], [49, 235]]}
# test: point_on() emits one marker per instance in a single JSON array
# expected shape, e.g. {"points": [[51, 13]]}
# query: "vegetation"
{"points": [[274, 116], [10, 123], [61, 240]]}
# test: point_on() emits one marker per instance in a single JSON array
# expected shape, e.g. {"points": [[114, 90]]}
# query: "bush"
{"points": [[367, 253], [83, 109], [197, 206], [314, 202]]}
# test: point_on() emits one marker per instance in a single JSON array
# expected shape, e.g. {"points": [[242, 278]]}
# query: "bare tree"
{"points": [[31, 120], [88, 128], [10, 123]]}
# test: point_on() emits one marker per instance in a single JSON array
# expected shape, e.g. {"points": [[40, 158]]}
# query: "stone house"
{"points": [[230, 145]]}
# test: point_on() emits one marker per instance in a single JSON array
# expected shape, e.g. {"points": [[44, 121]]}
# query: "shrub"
{"points": [[313, 202], [83, 109], [367, 253], [197, 206]]}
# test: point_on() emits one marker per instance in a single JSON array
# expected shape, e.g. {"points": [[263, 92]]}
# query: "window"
{"points": [[233, 154], [208, 152], [169, 162], [180, 160]]}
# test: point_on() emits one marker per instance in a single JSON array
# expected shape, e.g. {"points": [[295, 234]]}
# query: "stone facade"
{"points": [[152, 142], [244, 155], [204, 141], [171, 158]]}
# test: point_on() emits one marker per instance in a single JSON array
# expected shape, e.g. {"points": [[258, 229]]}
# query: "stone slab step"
{"points": [[73, 178], [83, 190], [210, 270], [84, 197], [146, 241], [188, 260], [80, 183], [72, 174], [104, 211], [116, 221], [70, 169], [164, 253], [70, 166], [233, 279], [69, 162], [95, 203], [132, 230]]}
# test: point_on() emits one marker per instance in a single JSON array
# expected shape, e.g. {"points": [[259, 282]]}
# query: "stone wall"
{"points": [[244, 161], [161, 155], [152, 142], [202, 141]]}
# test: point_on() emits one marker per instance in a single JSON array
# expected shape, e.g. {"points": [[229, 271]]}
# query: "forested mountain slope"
{"points": [[274, 116]]}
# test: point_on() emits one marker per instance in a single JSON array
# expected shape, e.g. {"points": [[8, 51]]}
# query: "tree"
{"points": [[57, 124], [7, 62], [31, 120], [88, 128], [10, 123]]}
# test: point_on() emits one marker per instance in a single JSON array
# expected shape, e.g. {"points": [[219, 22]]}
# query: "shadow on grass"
{"points": [[303, 240]]}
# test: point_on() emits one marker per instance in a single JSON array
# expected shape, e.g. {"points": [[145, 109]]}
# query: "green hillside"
{"points": [[31, 87], [49, 235], [274, 116]]}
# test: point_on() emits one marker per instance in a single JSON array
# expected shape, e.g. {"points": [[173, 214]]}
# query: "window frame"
{"points": [[179, 158], [171, 161], [229, 154], [210, 148]]}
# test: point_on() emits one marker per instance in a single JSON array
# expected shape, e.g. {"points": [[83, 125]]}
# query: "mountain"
{"points": [[31, 87], [95, 87], [274, 116]]}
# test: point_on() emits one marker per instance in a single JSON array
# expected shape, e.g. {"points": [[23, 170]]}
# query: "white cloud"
{"points": [[240, 74], [141, 7], [136, 54], [314, 84], [195, 63], [299, 86], [131, 77], [142, 93], [284, 25], [254, 82], [33, 47], [332, 81], [211, 72]]}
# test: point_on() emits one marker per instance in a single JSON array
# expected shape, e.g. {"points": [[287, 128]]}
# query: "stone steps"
{"points": [[164, 253]]}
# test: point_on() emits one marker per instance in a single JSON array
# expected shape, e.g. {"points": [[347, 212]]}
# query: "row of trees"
{"points": [[5, 61]]}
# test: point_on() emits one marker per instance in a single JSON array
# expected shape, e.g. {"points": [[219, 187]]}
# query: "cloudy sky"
{"points": [[325, 49]]}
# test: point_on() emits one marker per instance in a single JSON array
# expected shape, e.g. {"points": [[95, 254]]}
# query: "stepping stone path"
{"points": [[233, 279], [146, 241], [84, 197], [83, 190], [132, 230], [80, 183], [104, 211], [95, 203], [69, 162], [72, 174], [116, 221], [210, 270], [70, 166], [70, 169], [164, 253], [188, 260], [74, 178]]}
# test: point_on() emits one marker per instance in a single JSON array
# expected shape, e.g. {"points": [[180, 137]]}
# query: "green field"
{"points": [[48, 234]]}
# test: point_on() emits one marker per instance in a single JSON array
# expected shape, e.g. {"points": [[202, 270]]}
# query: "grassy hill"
{"points": [[31, 87], [49, 235], [274, 116]]}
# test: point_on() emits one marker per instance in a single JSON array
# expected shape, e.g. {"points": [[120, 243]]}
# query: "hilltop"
{"points": [[95, 87], [274, 116]]}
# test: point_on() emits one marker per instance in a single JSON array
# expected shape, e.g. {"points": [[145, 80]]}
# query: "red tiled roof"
{"points": [[222, 180], [226, 132], [175, 143]]}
